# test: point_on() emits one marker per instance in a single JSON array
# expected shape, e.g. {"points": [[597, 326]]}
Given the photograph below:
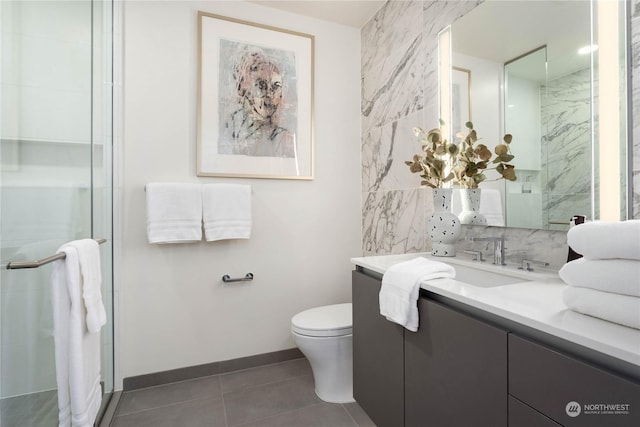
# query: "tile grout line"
{"points": [[174, 403], [222, 395], [355, 423], [277, 415], [224, 407], [267, 383]]}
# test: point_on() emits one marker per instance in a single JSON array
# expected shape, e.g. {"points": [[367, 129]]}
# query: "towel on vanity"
{"points": [[605, 240], [401, 287], [226, 211], [616, 308], [174, 212], [76, 304], [619, 276]]}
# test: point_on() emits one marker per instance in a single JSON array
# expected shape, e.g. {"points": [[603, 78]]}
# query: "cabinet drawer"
{"points": [[455, 370], [554, 383], [521, 415]]}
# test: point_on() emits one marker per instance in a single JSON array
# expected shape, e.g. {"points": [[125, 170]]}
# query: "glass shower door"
{"points": [[55, 183]]}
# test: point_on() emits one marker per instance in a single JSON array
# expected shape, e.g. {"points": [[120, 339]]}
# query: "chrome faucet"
{"points": [[498, 247], [526, 264], [477, 255]]}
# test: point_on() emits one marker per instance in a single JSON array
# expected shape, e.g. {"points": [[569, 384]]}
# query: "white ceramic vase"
{"points": [[443, 227], [470, 200]]}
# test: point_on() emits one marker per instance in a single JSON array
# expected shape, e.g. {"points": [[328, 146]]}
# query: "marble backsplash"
{"points": [[399, 91]]}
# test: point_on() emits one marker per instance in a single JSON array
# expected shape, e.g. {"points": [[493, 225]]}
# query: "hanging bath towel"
{"points": [[226, 211], [77, 306]]}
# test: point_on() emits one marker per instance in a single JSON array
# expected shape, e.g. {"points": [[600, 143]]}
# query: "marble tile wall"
{"points": [[399, 91], [566, 134]]}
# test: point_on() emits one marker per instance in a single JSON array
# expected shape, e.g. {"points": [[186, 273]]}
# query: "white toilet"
{"points": [[324, 335]]}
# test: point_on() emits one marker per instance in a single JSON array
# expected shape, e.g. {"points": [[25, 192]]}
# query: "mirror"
{"points": [[516, 67]]}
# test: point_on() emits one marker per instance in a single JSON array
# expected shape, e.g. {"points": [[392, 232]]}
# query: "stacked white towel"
{"points": [[401, 287], [174, 212], [605, 283], [78, 315], [226, 211]]}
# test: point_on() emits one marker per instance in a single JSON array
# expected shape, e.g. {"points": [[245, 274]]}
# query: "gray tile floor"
{"points": [[31, 410], [278, 395]]}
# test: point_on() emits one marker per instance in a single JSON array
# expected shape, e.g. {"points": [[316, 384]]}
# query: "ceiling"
{"points": [[501, 31], [353, 13]]}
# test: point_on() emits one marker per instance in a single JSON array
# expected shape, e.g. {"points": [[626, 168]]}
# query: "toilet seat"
{"points": [[328, 321]]}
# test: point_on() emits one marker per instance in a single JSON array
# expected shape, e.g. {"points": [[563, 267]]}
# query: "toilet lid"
{"points": [[328, 321]]}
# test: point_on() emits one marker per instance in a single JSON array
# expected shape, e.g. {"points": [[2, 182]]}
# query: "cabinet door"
{"points": [[455, 370], [521, 415], [377, 356], [571, 392]]}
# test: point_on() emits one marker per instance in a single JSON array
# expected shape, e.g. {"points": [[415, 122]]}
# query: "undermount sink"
{"points": [[484, 278], [474, 273]]}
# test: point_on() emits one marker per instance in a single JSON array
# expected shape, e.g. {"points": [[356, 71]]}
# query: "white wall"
{"points": [[174, 309], [486, 107], [522, 117]]}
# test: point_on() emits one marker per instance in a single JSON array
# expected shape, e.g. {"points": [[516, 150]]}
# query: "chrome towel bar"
{"points": [[247, 277], [16, 265]]}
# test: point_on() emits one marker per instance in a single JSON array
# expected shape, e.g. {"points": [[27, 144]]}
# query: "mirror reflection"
{"points": [[528, 68]]}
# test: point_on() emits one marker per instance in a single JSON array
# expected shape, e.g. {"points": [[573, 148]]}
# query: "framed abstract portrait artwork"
{"points": [[255, 100]]}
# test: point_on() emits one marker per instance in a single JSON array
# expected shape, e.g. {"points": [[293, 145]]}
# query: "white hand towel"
{"points": [[77, 351], [604, 240], [491, 207], [619, 276], [174, 212], [616, 308], [401, 287], [226, 211]]}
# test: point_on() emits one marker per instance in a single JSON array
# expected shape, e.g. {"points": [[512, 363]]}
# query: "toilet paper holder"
{"points": [[228, 279]]}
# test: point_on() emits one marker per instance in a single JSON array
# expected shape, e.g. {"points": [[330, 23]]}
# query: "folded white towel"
{"points": [[401, 287], [226, 211], [174, 212], [619, 276], [616, 308], [77, 350], [604, 240]]}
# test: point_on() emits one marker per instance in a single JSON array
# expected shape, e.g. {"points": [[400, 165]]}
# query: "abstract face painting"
{"points": [[258, 101]]}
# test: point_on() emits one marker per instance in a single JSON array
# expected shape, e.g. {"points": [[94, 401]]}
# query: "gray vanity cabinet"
{"points": [[521, 415], [455, 370], [378, 368], [470, 368], [550, 382]]}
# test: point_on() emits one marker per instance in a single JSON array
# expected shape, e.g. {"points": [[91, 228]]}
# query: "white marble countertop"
{"points": [[536, 302]]}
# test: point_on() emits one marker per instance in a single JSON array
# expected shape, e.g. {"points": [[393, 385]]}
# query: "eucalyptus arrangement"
{"points": [[464, 163], [473, 159], [437, 154]]}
